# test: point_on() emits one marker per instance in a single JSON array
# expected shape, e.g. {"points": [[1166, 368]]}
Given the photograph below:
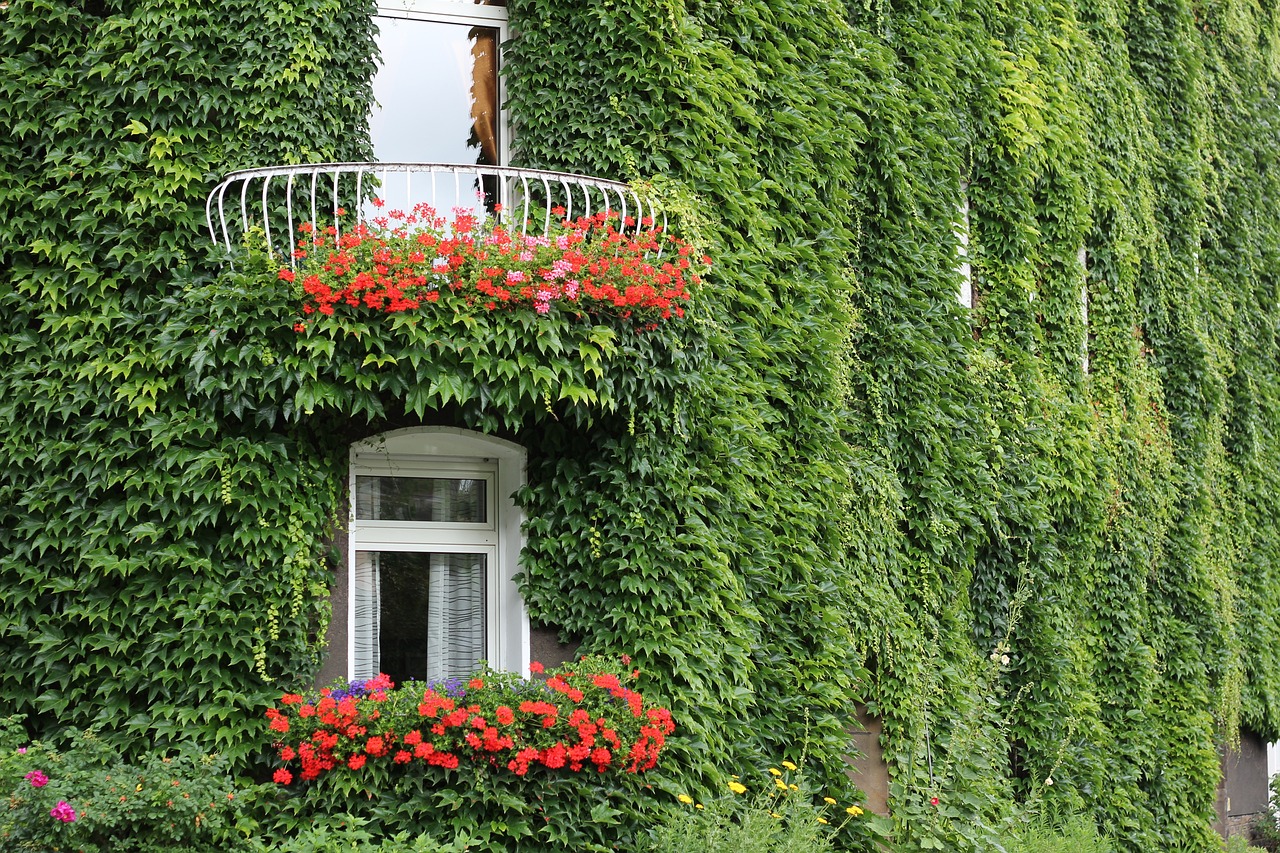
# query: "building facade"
{"points": [[1037, 542]]}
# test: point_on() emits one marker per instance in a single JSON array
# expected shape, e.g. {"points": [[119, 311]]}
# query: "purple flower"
{"points": [[37, 779], [453, 687], [353, 690], [63, 812]]}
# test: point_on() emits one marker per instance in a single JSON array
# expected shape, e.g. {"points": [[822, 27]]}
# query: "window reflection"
{"points": [[424, 5], [436, 93], [437, 101], [438, 499]]}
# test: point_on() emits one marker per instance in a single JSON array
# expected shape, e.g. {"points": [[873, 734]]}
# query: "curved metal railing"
{"points": [[281, 198]]}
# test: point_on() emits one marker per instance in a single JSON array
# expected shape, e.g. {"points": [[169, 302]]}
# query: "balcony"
{"points": [[510, 319], [280, 199]]}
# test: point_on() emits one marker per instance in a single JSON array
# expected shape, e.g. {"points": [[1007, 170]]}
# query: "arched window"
{"points": [[434, 540]]}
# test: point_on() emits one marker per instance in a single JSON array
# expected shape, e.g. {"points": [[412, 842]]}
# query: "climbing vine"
{"points": [[1036, 536]]}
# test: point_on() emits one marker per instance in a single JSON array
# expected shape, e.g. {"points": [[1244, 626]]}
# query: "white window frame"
{"points": [[1082, 258], [450, 452], [455, 12], [960, 228]]}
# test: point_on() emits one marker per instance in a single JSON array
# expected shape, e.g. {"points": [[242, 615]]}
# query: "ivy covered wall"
{"points": [[831, 483]]}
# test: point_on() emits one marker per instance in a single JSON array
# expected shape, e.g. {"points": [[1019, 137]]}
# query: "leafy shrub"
{"points": [[1072, 834], [84, 796], [1238, 844], [782, 815], [343, 832], [1266, 829]]}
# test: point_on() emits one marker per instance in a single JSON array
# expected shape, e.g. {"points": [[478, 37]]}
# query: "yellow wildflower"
{"points": [[822, 820], [829, 800], [775, 771], [699, 806], [775, 815], [794, 787], [789, 765], [737, 787], [685, 798], [782, 786], [853, 810]]}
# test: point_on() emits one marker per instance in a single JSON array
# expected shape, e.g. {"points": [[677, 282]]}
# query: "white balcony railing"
{"points": [[279, 199]]}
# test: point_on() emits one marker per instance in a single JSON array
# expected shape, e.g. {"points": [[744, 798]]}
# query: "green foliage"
{"points": [[230, 341], [829, 483], [717, 551], [776, 812], [1266, 829], [343, 833], [1239, 844], [1074, 834], [162, 803], [161, 564]]}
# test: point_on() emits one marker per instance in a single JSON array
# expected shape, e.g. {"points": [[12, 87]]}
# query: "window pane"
{"points": [[419, 6], [430, 614], [436, 93], [458, 501]]}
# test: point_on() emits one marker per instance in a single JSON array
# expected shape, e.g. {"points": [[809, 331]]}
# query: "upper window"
{"points": [[960, 227], [434, 542], [436, 93], [1082, 258]]}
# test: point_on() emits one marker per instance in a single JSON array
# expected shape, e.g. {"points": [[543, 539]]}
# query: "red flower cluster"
{"points": [[587, 266], [573, 720]]}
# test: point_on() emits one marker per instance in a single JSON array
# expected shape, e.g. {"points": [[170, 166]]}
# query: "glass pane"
{"points": [[457, 501], [431, 614], [419, 6], [436, 93]]}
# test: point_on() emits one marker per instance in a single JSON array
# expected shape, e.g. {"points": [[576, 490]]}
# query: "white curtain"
{"points": [[455, 617], [368, 607], [454, 597], [455, 614]]}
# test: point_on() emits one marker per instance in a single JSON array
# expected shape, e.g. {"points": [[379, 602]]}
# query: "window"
{"points": [[434, 542], [437, 90], [960, 227], [1082, 258]]}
